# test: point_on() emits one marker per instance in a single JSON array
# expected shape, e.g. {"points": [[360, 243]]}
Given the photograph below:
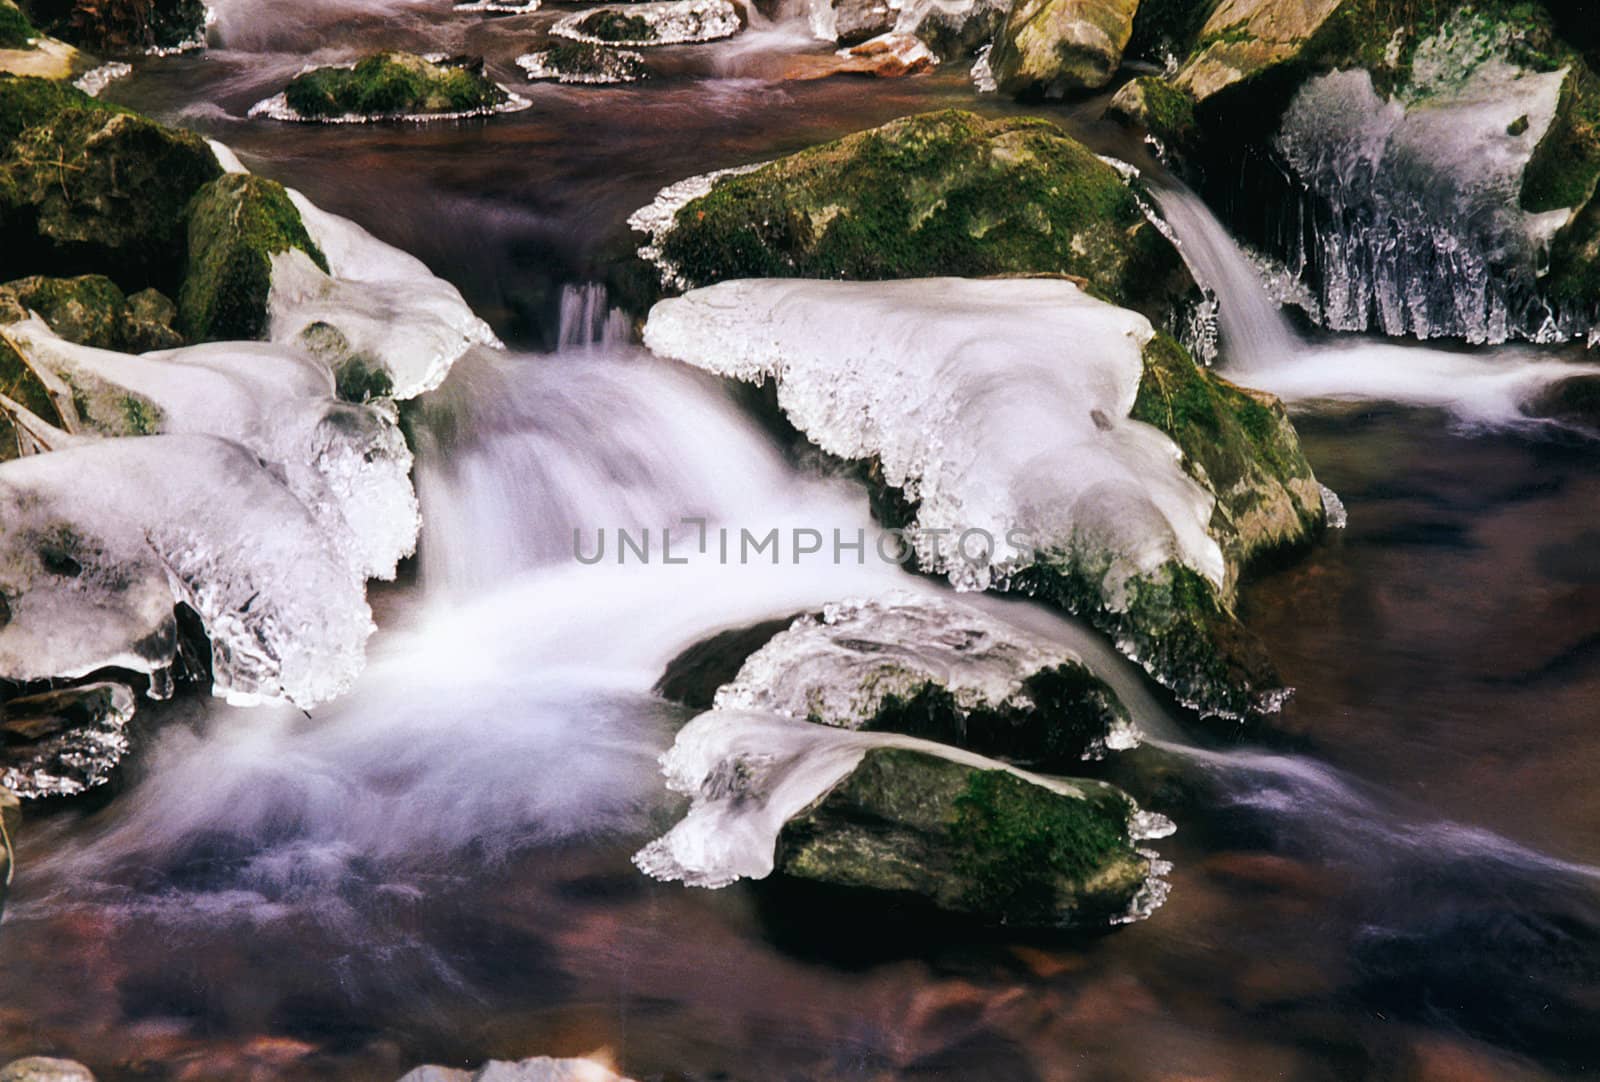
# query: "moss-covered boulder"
{"points": [[584, 62], [89, 188], [237, 223], [984, 843], [394, 84], [945, 193], [1056, 47], [92, 311], [123, 27]]}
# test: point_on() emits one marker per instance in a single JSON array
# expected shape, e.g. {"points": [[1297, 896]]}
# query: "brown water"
{"points": [[1394, 886]]}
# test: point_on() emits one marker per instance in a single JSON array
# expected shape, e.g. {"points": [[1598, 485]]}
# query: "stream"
{"points": [[1400, 881]]}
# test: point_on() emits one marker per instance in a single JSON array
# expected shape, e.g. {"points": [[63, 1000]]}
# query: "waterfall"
{"points": [[1484, 387], [589, 320], [1255, 332]]}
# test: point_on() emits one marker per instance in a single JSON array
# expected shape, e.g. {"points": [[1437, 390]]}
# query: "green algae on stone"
{"points": [[89, 188], [971, 841], [1165, 112], [946, 193], [393, 84], [1240, 445], [16, 32], [237, 223]]}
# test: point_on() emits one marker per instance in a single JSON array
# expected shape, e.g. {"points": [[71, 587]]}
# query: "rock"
{"points": [[890, 56], [938, 194], [64, 742], [1158, 108], [536, 1069], [985, 843], [92, 311], [120, 29], [394, 84], [236, 225], [45, 1069], [639, 25], [1055, 47], [1243, 39], [16, 32], [88, 188], [955, 28], [1574, 402], [855, 21], [694, 676], [930, 668], [584, 62]]}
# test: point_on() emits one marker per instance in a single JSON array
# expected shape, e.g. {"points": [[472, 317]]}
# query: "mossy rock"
{"points": [[1153, 105], [1068, 714], [88, 188], [92, 311], [612, 25], [121, 27], [983, 843], [20, 385], [16, 32], [237, 223], [1240, 445], [1057, 47], [393, 84], [945, 193]]}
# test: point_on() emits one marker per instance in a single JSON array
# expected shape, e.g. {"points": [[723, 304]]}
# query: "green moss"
{"points": [[936, 194], [236, 224], [608, 25], [392, 84], [20, 385], [1016, 848], [16, 32], [1566, 163], [359, 378], [28, 102], [88, 309]]}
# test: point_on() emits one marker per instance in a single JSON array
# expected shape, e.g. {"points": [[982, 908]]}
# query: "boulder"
{"points": [[978, 842], [855, 21], [237, 224], [584, 62], [393, 84], [89, 188], [945, 193], [16, 32], [1153, 105], [670, 22], [1243, 39], [1056, 47], [888, 56]]}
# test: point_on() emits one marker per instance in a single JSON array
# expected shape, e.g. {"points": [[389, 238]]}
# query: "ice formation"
{"points": [[1000, 406], [62, 743], [348, 463], [1414, 214], [838, 670], [102, 541], [672, 22], [748, 773], [97, 79], [615, 66]]}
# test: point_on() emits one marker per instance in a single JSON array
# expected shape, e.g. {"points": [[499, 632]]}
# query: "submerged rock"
{"points": [[672, 22], [393, 85], [1037, 440], [938, 670], [64, 742], [583, 62], [1056, 47], [236, 225], [89, 188], [940, 193], [986, 843]]}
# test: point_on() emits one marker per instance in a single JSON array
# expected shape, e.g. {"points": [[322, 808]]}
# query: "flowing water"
{"points": [[1399, 884]]}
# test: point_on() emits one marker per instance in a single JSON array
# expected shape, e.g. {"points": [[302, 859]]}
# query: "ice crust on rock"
{"points": [[1417, 228], [999, 405], [102, 540], [349, 464], [673, 22], [385, 302], [839, 669]]}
